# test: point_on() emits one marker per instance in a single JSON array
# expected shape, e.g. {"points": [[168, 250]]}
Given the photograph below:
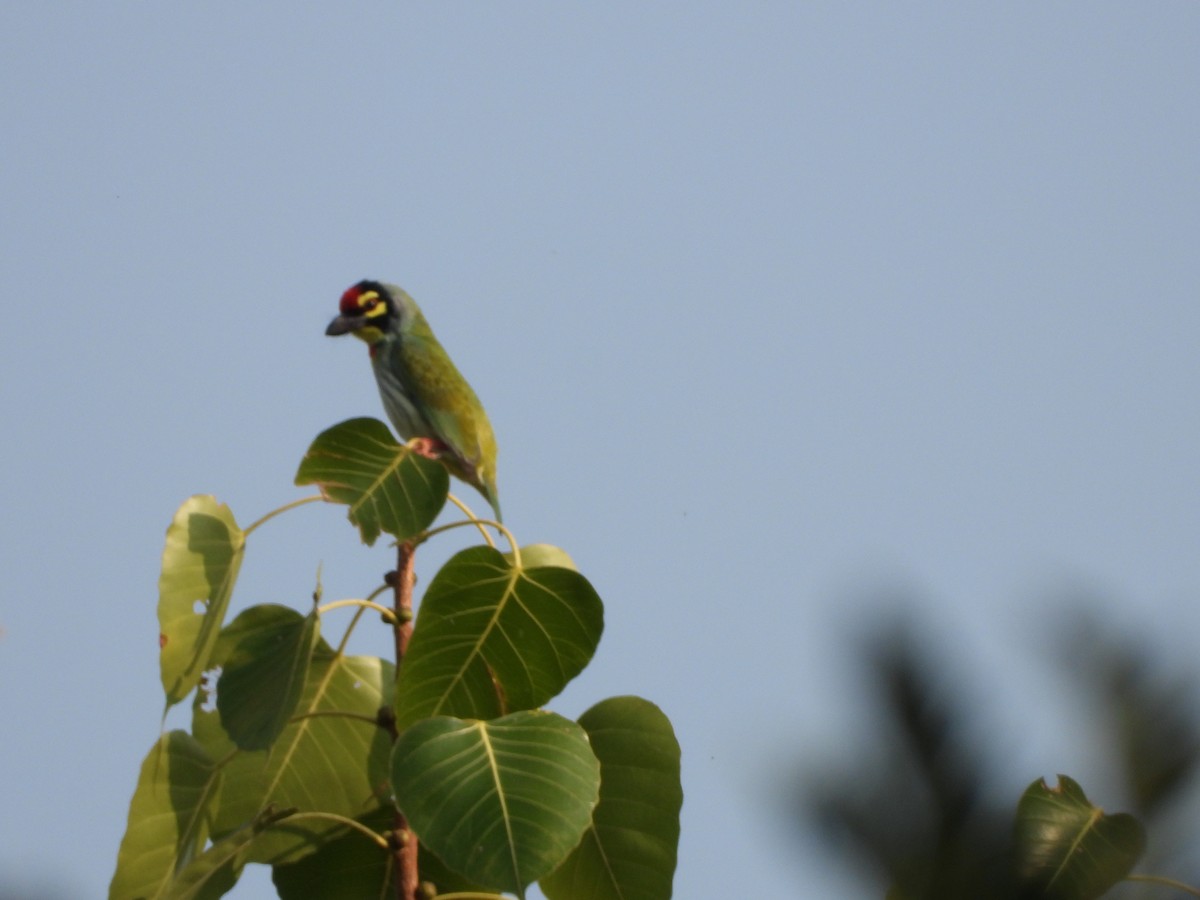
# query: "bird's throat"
{"points": [[371, 335]]}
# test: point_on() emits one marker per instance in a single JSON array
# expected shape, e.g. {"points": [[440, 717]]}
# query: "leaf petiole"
{"points": [[275, 512]]}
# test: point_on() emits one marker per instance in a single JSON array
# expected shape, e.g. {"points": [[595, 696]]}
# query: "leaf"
{"points": [[213, 873], [387, 486], [169, 816], [263, 672], [502, 802], [630, 849], [349, 867], [353, 867], [200, 565], [491, 638], [1069, 849], [330, 763], [538, 556]]}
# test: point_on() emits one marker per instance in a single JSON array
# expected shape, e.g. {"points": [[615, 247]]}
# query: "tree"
{"points": [[438, 773], [920, 807]]}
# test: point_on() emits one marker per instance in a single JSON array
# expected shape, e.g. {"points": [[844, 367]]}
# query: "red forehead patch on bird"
{"points": [[349, 302]]}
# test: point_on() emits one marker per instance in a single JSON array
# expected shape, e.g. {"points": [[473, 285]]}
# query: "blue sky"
{"points": [[770, 305]]}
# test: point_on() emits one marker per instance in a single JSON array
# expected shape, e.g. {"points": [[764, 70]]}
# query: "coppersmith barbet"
{"points": [[429, 402]]}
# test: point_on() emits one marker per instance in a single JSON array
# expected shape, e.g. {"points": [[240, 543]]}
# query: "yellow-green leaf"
{"points": [[200, 565], [169, 817], [334, 762]]}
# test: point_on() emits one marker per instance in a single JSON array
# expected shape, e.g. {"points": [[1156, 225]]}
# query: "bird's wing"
{"points": [[445, 399]]}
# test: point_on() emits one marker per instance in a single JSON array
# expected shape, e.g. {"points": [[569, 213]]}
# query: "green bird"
{"points": [[424, 394]]}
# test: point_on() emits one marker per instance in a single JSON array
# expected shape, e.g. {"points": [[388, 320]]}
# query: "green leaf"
{"points": [[387, 486], [349, 867], [1069, 849], [335, 762], [502, 802], [445, 879], [629, 851], [169, 816], [213, 873], [263, 672], [200, 565], [353, 867], [491, 637]]}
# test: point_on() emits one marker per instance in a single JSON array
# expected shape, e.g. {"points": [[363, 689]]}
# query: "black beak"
{"points": [[345, 325]]}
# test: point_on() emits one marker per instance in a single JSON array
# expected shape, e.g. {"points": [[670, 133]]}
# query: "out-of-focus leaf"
{"points": [[387, 486], [331, 763], [263, 672], [491, 637], [169, 817], [629, 851], [1068, 849], [200, 565], [502, 802]]}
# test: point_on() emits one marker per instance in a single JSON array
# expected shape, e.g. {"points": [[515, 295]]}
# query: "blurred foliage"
{"points": [[926, 808]]}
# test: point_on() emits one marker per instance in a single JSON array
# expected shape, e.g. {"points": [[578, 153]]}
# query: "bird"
{"points": [[427, 399]]}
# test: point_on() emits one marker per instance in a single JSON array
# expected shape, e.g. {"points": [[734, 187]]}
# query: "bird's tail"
{"points": [[489, 494]]}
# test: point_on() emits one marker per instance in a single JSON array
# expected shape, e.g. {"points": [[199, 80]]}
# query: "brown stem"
{"points": [[404, 843]]}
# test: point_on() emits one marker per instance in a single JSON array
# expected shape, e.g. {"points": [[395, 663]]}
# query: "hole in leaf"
{"points": [[208, 689], [200, 607]]}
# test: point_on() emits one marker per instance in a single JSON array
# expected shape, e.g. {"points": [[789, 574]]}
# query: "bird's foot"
{"points": [[430, 448]]}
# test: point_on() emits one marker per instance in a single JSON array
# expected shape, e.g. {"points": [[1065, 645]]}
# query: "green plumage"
{"points": [[423, 393]]}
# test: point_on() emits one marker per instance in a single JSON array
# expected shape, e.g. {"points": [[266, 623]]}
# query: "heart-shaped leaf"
{"points": [[1069, 849], [199, 567], [263, 672], [330, 757], [387, 486], [629, 851], [169, 816], [501, 802], [492, 637]]}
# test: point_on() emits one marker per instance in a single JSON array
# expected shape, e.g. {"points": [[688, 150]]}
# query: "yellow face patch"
{"points": [[372, 304]]}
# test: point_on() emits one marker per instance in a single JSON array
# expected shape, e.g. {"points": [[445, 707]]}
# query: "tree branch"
{"points": [[404, 843]]}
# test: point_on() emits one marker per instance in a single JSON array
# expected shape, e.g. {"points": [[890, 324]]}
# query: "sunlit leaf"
{"points": [[502, 802], [263, 672], [387, 486], [1068, 849], [213, 873], [334, 762], [169, 816], [200, 565], [629, 851], [539, 556], [491, 637]]}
